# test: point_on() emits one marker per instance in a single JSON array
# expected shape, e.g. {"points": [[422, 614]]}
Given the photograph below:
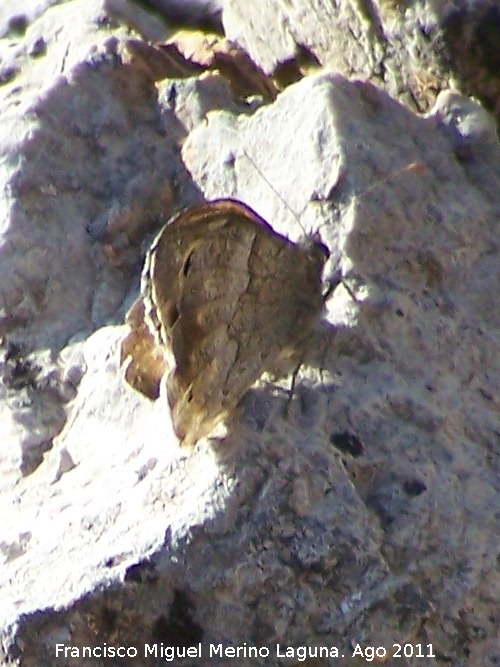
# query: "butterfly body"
{"points": [[224, 298]]}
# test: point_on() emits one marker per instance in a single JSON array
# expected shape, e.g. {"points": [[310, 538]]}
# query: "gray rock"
{"points": [[471, 34], [72, 173], [205, 14], [364, 511], [413, 50]]}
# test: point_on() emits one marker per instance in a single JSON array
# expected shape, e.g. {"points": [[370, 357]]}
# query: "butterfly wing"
{"points": [[228, 298], [142, 359]]}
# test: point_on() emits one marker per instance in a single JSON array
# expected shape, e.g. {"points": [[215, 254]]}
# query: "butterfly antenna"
{"points": [[271, 186], [417, 167]]}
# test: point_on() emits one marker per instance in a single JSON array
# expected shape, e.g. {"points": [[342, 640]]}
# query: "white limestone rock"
{"points": [[368, 512]]}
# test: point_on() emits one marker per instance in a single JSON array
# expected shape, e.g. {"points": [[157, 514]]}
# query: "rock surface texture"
{"points": [[412, 49], [364, 511]]}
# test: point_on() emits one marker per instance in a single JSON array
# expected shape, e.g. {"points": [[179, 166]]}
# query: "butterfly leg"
{"points": [[293, 383]]}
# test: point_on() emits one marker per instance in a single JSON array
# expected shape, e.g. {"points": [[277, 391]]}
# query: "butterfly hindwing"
{"points": [[227, 298]]}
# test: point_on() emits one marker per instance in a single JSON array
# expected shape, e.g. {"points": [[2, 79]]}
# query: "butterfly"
{"points": [[224, 298]]}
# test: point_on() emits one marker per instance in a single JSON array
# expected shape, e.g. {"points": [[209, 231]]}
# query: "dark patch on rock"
{"points": [[347, 443], [178, 628]]}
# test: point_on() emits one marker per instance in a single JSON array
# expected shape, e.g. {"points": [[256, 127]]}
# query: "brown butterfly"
{"points": [[223, 299]]}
